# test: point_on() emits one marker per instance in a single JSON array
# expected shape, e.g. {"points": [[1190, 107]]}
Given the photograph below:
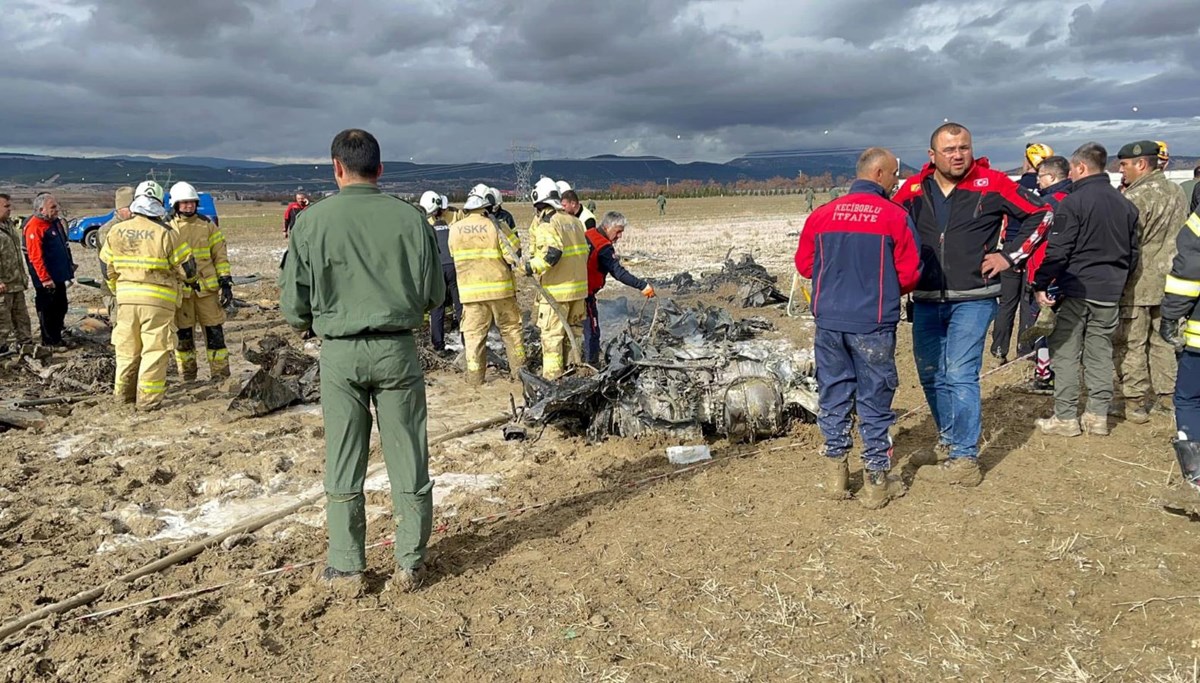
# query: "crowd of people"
{"points": [[1108, 274]]}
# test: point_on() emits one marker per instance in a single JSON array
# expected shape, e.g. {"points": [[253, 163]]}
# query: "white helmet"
{"points": [[497, 197], [430, 202], [149, 188], [546, 192], [563, 187], [445, 202], [183, 192], [478, 198]]}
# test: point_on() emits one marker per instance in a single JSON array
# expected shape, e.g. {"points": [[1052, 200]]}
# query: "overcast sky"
{"points": [[452, 81]]}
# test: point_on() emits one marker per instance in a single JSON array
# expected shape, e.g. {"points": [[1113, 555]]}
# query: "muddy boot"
{"points": [[878, 488], [1136, 412], [185, 355], [837, 478], [954, 472], [475, 377], [1095, 425], [930, 456], [1053, 426], [405, 580], [1165, 404], [342, 584]]}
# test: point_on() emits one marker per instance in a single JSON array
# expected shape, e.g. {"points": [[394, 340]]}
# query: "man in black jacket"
{"points": [[1092, 248], [959, 205]]}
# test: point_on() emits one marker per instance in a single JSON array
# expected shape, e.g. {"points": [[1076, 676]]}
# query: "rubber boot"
{"points": [[218, 355], [1188, 455], [185, 354], [837, 478], [878, 488]]}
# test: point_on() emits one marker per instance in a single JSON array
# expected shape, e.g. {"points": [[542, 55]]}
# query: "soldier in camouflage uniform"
{"points": [[124, 197], [1146, 364], [809, 197], [15, 325]]}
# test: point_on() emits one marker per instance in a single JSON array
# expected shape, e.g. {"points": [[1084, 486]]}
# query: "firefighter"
{"points": [[122, 199], [205, 306], [484, 254], [145, 262], [1178, 304], [502, 214], [431, 203], [559, 261]]}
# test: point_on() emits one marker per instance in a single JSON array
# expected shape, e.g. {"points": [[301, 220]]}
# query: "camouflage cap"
{"points": [[124, 197], [1141, 148]]}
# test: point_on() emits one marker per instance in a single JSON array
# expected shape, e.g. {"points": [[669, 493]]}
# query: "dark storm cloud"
{"points": [[459, 80]]}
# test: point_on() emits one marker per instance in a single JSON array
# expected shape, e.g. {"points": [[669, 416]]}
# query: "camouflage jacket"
{"points": [[1161, 214], [13, 272]]}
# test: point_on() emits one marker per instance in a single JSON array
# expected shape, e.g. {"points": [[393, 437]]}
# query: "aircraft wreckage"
{"points": [[692, 372]]}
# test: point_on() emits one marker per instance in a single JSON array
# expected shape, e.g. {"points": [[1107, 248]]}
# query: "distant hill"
{"points": [[594, 173], [210, 162]]}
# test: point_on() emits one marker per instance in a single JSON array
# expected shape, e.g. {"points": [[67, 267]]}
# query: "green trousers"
{"points": [[357, 373]]}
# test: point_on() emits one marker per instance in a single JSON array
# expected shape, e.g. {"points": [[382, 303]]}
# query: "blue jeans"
{"points": [[948, 340], [1187, 396], [857, 370]]}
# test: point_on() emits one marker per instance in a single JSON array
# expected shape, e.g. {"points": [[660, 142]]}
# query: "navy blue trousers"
{"points": [[857, 371], [1187, 396]]}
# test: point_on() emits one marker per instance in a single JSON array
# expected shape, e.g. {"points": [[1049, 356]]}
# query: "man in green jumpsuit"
{"points": [[362, 271]]}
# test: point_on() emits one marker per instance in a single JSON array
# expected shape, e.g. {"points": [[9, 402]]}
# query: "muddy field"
{"points": [[1062, 566]]}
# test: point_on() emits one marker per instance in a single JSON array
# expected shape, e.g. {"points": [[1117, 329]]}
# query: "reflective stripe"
{"points": [[1193, 340], [218, 354], [1188, 288], [1193, 222], [147, 262], [209, 283], [472, 366], [216, 238], [181, 254], [202, 253], [185, 356], [223, 269], [147, 289], [476, 254], [569, 291], [576, 250], [487, 288], [152, 387]]}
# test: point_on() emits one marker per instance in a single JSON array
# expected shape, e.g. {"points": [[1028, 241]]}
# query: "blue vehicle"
{"points": [[85, 230]]}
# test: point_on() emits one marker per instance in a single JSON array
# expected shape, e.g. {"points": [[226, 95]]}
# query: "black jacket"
{"points": [[952, 259], [1093, 246]]}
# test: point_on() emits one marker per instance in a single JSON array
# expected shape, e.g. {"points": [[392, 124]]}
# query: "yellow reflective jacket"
{"points": [[1183, 283], [481, 259], [146, 262], [208, 248], [560, 253]]}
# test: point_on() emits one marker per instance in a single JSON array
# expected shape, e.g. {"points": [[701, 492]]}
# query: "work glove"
{"points": [[648, 291], [226, 284], [528, 268], [1169, 330]]}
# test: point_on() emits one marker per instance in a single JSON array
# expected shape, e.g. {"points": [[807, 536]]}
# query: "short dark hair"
{"points": [[4, 195], [358, 152], [949, 127], [1056, 166], [1091, 154], [869, 159], [570, 196], [1196, 172]]}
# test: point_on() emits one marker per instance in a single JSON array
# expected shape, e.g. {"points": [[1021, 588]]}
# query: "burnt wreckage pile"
{"points": [[756, 287], [683, 372]]}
